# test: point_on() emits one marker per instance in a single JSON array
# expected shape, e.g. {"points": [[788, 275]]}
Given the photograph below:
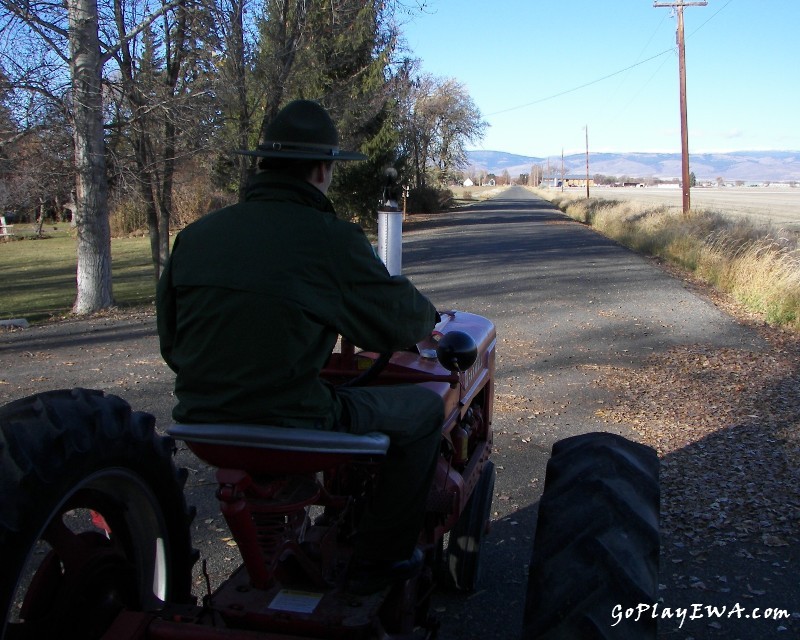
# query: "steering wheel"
{"points": [[370, 374]]}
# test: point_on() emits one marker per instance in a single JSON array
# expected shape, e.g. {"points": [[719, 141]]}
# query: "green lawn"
{"points": [[38, 275]]}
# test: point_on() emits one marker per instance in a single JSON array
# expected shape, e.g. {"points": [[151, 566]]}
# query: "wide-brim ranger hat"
{"points": [[302, 130]]}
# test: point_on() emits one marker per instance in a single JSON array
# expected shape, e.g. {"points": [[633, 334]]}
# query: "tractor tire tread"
{"points": [[596, 543]]}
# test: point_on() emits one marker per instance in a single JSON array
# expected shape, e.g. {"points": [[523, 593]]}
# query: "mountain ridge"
{"points": [[776, 166]]}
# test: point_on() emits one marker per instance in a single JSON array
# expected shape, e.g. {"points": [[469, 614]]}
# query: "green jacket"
{"points": [[254, 297]]}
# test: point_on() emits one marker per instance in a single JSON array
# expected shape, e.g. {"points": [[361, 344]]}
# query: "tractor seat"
{"points": [[269, 450]]}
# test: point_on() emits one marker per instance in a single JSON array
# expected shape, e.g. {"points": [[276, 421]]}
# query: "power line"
{"points": [[642, 86], [610, 75], [713, 15], [620, 112], [583, 86]]}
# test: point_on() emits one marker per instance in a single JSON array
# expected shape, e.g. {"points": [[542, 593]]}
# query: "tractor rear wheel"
{"points": [[92, 516], [597, 541]]}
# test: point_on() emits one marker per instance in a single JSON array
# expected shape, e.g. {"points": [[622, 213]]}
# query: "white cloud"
{"points": [[733, 133]]}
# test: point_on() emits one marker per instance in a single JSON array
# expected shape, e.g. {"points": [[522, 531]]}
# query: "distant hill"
{"points": [[776, 166]]}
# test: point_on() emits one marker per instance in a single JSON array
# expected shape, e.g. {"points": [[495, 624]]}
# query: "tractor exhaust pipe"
{"points": [[390, 226]]}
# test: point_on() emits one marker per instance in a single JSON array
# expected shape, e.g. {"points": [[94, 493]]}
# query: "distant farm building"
{"points": [[575, 181], [567, 181]]}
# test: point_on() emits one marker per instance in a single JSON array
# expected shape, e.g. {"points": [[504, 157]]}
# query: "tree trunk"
{"points": [[285, 29], [91, 214], [233, 17], [170, 135], [174, 64], [146, 189], [39, 218]]}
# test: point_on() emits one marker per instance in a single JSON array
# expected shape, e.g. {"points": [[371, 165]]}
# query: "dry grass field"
{"points": [[465, 195], [779, 206]]}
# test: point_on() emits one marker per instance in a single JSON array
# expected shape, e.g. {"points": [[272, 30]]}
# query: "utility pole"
{"points": [[587, 161], [678, 6]]}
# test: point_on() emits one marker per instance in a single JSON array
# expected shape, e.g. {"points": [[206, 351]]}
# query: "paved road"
{"points": [[566, 302]]}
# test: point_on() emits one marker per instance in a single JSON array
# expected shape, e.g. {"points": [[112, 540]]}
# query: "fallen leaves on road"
{"points": [[726, 424]]}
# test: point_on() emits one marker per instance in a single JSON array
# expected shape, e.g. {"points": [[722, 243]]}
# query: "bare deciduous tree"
{"points": [[439, 120], [283, 34], [150, 68], [237, 94]]}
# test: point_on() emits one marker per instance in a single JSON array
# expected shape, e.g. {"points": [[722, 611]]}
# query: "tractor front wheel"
{"points": [[596, 546], [466, 537]]}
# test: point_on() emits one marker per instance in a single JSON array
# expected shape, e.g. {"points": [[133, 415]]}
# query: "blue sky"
{"points": [[524, 62]]}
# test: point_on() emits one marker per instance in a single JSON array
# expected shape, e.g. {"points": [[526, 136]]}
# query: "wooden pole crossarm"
{"points": [[679, 4]]}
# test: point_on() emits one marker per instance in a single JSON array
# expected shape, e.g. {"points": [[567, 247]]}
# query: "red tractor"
{"points": [[94, 527]]}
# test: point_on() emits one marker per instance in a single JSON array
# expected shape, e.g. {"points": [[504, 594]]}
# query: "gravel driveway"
{"points": [[590, 337]]}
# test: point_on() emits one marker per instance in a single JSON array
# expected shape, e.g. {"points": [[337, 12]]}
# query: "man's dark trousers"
{"points": [[412, 417]]}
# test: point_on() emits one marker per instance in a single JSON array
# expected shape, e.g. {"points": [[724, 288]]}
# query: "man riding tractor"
{"points": [[251, 305]]}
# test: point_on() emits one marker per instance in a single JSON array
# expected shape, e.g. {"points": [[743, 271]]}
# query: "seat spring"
{"points": [[273, 530]]}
